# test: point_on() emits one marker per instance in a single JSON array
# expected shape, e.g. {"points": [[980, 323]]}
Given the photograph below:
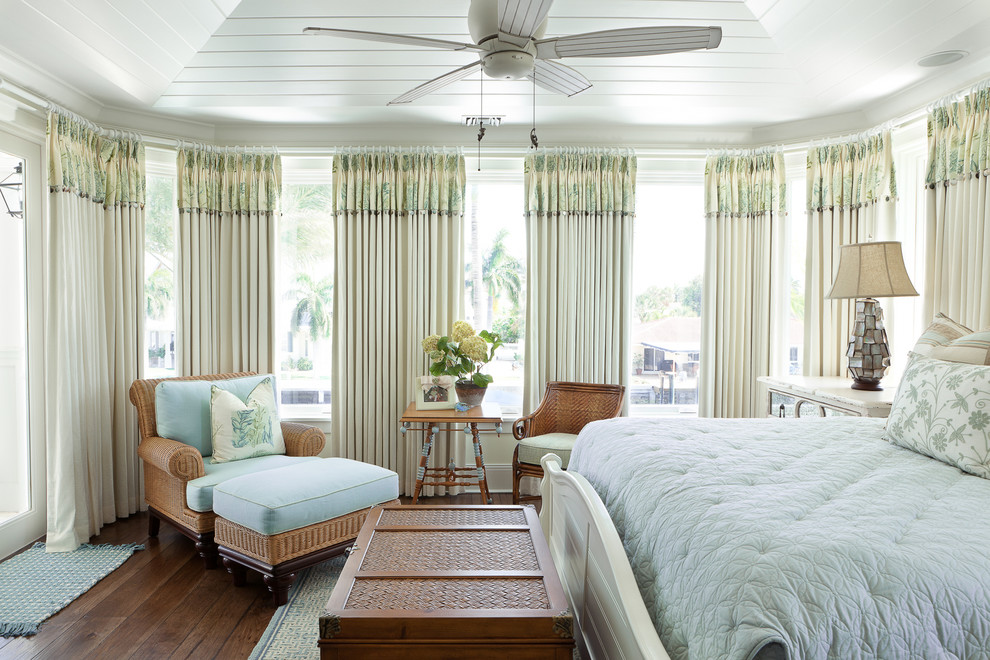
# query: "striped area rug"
{"points": [[294, 628], [35, 585]]}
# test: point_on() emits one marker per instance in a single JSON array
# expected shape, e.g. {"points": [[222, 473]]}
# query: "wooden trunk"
{"points": [[443, 582]]}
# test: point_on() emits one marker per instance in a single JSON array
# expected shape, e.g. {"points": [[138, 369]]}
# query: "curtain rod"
{"points": [[959, 95], [173, 142]]}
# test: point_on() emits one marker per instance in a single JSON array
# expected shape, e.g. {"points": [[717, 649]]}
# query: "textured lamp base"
{"points": [[868, 353]]}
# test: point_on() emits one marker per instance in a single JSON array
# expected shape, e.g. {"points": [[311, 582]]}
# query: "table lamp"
{"points": [[868, 271]]}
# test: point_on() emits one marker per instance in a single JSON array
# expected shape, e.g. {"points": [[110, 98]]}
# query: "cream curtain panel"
{"points": [[745, 205], [94, 322], [228, 199], [852, 193], [957, 264], [580, 205], [398, 277]]}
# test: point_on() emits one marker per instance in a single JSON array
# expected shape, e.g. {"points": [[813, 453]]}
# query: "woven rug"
{"points": [[295, 627], [35, 585]]}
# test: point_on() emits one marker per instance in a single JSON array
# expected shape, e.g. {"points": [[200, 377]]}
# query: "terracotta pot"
{"points": [[468, 393]]}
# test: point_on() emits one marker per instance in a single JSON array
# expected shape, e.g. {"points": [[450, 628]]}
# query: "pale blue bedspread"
{"points": [[814, 534]]}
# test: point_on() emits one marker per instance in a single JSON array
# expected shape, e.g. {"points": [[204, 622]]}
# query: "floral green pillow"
{"points": [[942, 410], [244, 429]]}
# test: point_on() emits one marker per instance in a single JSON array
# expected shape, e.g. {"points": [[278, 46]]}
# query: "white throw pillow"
{"points": [[942, 410], [245, 429], [973, 348], [941, 331]]}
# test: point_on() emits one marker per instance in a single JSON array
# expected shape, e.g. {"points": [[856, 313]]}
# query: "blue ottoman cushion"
{"points": [[283, 499], [199, 492]]}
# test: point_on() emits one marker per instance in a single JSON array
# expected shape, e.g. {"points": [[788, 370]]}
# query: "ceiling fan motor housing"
{"points": [[508, 64]]}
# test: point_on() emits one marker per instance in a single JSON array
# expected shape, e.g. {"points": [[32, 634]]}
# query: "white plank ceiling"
{"points": [[225, 62]]}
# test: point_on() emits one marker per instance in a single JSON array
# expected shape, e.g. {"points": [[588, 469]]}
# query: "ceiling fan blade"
{"points": [[388, 38], [437, 83], [558, 78], [630, 42], [521, 18]]}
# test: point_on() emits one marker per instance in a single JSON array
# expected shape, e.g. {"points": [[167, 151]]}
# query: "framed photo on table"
{"points": [[435, 392]]}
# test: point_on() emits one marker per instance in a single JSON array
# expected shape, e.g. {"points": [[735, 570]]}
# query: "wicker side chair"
{"points": [[565, 409], [169, 464]]}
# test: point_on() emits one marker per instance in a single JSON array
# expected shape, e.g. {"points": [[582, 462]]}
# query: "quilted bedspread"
{"points": [[813, 535]]}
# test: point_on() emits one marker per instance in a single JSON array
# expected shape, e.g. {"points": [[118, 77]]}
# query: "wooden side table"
{"points": [[827, 394], [451, 475]]}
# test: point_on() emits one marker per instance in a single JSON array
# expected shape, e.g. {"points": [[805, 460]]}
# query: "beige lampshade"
{"points": [[871, 270]]}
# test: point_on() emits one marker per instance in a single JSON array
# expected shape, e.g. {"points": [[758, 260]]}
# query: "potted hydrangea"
{"points": [[462, 354]]}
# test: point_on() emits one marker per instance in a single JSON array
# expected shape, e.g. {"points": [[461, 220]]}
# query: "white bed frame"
{"points": [[610, 619]]}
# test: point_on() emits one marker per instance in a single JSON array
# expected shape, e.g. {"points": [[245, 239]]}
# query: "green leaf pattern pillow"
{"points": [[942, 410], [245, 429]]}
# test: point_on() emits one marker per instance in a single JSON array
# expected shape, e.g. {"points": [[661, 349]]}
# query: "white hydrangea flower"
{"points": [[430, 344], [461, 330], [475, 348]]}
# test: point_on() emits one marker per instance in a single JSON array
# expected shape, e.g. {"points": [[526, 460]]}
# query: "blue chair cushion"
{"points": [[182, 408], [276, 501], [199, 492], [531, 450]]}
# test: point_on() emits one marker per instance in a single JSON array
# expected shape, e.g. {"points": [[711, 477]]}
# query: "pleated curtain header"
{"points": [[83, 159], [959, 138], [232, 180], [745, 183], [580, 180], [851, 174], [399, 181]]}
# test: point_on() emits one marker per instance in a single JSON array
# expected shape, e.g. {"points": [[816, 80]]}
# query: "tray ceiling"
{"points": [[229, 62]]}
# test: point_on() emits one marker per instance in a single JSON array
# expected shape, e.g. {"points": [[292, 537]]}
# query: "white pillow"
{"points": [[941, 331], [242, 429], [973, 348], [942, 410]]}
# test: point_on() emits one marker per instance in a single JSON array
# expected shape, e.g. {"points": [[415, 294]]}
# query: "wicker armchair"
{"points": [[169, 464], [565, 409]]}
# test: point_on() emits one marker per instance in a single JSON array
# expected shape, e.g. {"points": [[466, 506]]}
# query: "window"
{"points": [[161, 213], [904, 316], [495, 280], [668, 260], [304, 290], [15, 474], [796, 254]]}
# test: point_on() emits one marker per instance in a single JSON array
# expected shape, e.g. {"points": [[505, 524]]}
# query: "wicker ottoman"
{"points": [[280, 521]]}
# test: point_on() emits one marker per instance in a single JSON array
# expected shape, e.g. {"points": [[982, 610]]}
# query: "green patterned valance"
{"points": [[745, 183], [83, 160], [580, 180], [228, 180], [386, 180], [959, 138], [851, 174]]}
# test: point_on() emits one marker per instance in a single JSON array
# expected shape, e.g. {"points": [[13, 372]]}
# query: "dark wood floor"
{"points": [[162, 603]]}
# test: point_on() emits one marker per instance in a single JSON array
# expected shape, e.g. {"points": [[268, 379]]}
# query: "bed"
{"points": [[760, 539]]}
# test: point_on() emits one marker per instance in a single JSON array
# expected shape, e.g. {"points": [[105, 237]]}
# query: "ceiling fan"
{"points": [[508, 36]]}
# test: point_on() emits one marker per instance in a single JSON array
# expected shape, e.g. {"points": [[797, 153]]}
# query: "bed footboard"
{"points": [[611, 621]]}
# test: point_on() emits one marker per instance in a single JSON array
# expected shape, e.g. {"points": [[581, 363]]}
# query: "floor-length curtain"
{"points": [[94, 311], [851, 198], [745, 197], [398, 278], [957, 264], [228, 198], [580, 205]]}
